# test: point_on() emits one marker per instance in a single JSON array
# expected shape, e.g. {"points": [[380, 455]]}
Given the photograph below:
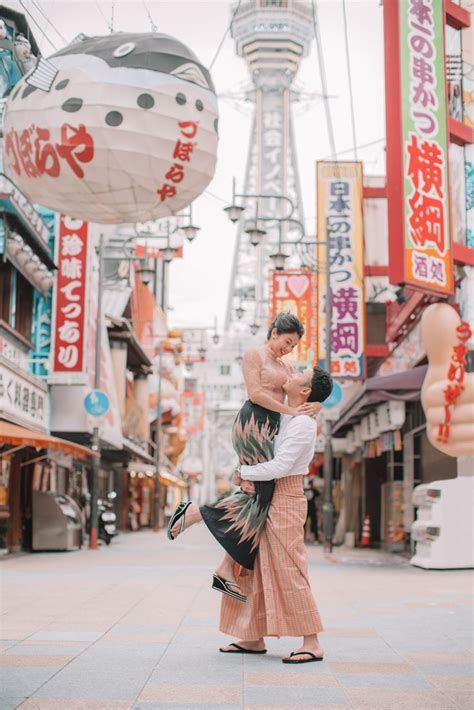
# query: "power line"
{"points": [[37, 5], [38, 25], [112, 16], [360, 146], [225, 35], [324, 84], [349, 78], [154, 28], [103, 16]]}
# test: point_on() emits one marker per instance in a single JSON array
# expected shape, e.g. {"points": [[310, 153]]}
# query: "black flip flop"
{"points": [[223, 585], [178, 514], [241, 649], [313, 658]]}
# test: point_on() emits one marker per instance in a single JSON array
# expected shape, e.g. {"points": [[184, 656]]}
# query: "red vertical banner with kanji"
{"points": [[420, 252], [69, 317], [340, 249], [295, 291]]}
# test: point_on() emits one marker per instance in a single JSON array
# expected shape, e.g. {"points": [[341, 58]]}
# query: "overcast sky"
{"points": [[199, 283]]}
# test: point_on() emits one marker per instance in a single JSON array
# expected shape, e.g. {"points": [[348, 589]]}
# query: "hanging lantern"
{"points": [[114, 129]]}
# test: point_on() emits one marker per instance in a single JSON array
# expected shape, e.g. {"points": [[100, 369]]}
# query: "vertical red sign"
{"points": [[69, 307]]}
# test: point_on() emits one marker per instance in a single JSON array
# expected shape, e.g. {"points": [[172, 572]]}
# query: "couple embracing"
{"points": [[264, 574]]}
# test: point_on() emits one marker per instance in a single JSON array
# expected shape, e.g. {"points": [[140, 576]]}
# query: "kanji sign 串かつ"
{"points": [[340, 227], [417, 147]]}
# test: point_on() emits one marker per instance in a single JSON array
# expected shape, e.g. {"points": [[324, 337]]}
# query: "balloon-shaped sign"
{"points": [[447, 394], [113, 129]]}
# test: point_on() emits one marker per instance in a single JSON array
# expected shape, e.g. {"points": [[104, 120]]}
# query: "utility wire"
{"points": [[38, 25], [154, 28], [112, 16], [324, 83], [349, 78], [37, 6], [103, 16], [225, 35]]}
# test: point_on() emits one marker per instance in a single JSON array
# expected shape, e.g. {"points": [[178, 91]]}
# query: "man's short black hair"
{"points": [[321, 385]]}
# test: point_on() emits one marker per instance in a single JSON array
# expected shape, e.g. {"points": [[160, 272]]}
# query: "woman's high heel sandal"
{"points": [[179, 514], [223, 585]]}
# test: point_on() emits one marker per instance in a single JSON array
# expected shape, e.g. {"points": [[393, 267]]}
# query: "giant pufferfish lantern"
{"points": [[114, 129]]}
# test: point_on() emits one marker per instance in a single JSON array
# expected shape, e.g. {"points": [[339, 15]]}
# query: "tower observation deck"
{"points": [[273, 36]]}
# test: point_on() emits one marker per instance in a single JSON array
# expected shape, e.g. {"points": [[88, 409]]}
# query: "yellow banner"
{"points": [[340, 226]]}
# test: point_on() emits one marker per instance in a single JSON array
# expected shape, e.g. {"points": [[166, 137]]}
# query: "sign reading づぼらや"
{"points": [[69, 337], [340, 227], [295, 291], [417, 146], [75, 126]]}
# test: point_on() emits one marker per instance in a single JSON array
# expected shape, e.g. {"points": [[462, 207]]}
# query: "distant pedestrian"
{"points": [[312, 494]]}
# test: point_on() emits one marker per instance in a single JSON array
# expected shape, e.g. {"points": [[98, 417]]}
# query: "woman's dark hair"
{"points": [[286, 323], [321, 385]]}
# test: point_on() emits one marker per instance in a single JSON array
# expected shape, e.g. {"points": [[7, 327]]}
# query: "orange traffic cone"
{"points": [[365, 539]]}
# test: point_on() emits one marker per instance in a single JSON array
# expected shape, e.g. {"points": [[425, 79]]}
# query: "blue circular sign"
{"points": [[96, 403], [334, 398]]}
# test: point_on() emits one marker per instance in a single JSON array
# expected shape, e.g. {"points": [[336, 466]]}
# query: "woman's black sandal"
{"points": [[302, 653], [223, 585], [179, 514]]}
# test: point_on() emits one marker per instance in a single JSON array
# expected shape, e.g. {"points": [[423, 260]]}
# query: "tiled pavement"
{"points": [[135, 626]]}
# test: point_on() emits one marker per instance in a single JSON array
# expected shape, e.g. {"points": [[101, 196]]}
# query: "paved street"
{"points": [[135, 626]]}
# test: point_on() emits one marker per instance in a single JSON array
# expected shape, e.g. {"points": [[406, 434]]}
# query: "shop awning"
{"points": [[19, 436], [402, 386]]}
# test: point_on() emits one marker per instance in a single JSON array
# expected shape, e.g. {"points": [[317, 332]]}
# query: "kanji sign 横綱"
{"points": [[340, 233]]}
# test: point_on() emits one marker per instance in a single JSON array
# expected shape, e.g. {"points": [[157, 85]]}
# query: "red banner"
{"points": [[295, 291], [70, 296]]}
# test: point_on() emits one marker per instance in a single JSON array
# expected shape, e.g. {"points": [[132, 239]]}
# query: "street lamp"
{"points": [[234, 212], [168, 254], [256, 235], [254, 328], [239, 312], [190, 230], [279, 259], [146, 274]]}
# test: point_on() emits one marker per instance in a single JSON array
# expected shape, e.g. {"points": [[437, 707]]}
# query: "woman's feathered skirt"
{"points": [[238, 520]]}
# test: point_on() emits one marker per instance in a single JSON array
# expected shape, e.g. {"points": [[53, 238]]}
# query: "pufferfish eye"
{"points": [[124, 49]]}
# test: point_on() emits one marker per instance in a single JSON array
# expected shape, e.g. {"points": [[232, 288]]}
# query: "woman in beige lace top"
{"points": [[237, 521]]}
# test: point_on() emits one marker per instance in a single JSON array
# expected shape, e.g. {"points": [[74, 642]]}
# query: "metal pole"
{"points": [[328, 508], [93, 535], [156, 479]]}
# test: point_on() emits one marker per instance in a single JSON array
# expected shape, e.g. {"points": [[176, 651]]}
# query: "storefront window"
{"points": [[16, 309]]}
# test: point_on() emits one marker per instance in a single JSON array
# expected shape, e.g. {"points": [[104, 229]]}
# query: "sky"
{"points": [[199, 283]]}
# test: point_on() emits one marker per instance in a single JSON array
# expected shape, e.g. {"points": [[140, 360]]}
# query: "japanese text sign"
{"points": [[419, 218], [456, 374], [340, 226], [295, 291], [70, 296]]}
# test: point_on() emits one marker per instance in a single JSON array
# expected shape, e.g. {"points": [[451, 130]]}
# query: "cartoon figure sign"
{"points": [[114, 129]]}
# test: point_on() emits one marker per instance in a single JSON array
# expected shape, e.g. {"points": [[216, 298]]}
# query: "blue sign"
{"points": [[335, 397], [96, 403]]}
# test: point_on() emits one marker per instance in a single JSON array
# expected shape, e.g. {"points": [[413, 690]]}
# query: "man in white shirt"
{"points": [[294, 450]]}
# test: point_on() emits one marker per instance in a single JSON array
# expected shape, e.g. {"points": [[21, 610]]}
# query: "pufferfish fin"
{"points": [[43, 75], [191, 72]]}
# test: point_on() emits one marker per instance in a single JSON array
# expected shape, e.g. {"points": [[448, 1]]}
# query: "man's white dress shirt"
{"points": [[293, 448]]}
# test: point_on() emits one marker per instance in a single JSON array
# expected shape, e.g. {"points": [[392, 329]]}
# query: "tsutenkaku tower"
{"points": [[272, 36]]}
